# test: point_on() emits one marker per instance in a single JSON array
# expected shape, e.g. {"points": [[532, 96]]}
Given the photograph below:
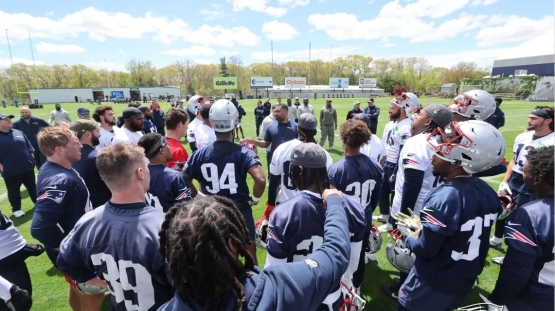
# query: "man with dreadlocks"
{"points": [[374, 147], [279, 170], [526, 280], [203, 239], [414, 178], [359, 176], [221, 168], [118, 241], [295, 229]]}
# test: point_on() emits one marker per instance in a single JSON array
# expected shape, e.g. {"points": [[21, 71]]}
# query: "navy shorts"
{"points": [[246, 211]]}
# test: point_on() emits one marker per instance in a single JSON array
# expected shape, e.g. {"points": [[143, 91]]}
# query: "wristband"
{"points": [[255, 199]]}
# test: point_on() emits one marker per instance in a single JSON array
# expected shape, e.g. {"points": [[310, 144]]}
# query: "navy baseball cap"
{"points": [[83, 111], [131, 113], [4, 116]]}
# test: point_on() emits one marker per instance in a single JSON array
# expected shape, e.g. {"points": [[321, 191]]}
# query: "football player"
{"points": [[279, 166], [414, 178], [385, 204], [359, 176], [104, 115], [401, 107], [295, 228], [62, 198], [374, 147], [216, 233], [526, 280], [539, 133], [193, 111], [476, 105], [204, 133], [167, 186], [450, 238], [176, 125], [222, 167], [118, 241]]}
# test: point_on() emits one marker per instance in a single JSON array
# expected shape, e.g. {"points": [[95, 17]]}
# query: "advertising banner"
{"points": [[262, 82], [116, 94], [221, 83], [367, 82], [295, 82], [339, 83]]}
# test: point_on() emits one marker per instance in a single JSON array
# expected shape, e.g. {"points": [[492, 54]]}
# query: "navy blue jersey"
{"points": [[294, 286], [529, 230], [358, 176], [158, 120], [16, 153], [278, 133], [119, 243], [31, 129], [167, 187], [221, 168], [148, 126], [86, 167], [296, 227], [456, 218], [62, 198]]}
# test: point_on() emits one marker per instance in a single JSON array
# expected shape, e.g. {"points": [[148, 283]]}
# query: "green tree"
{"points": [[223, 68]]}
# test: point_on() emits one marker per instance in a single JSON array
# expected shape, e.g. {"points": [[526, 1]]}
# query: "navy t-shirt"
{"points": [[167, 187], [278, 133], [31, 129], [86, 167], [15, 153], [62, 198], [221, 168]]}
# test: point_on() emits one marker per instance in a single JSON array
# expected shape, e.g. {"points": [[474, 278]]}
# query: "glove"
{"points": [[253, 201], [21, 300], [504, 187], [412, 222]]}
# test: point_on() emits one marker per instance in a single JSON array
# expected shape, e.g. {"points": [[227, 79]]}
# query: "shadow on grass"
{"points": [[371, 291], [53, 271]]}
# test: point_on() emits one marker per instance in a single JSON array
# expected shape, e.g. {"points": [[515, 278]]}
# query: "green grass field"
{"points": [[50, 288]]}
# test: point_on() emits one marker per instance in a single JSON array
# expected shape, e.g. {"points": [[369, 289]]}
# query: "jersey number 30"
{"points": [[217, 183]]}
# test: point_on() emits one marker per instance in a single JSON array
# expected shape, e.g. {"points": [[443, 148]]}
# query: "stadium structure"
{"points": [[80, 95], [535, 57]]}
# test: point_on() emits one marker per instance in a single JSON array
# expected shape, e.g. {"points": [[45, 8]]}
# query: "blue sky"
{"points": [[95, 32]]}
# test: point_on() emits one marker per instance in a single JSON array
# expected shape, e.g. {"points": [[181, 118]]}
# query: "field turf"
{"points": [[50, 288]]}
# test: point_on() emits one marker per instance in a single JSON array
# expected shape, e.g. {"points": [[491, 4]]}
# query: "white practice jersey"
{"points": [[191, 128], [106, 137], [280, 166], [396, 138], [415, 155], [126, 136], [525, 142], [204, 136], [374, 149]]}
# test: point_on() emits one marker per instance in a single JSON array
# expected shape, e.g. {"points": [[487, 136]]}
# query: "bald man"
{"points": [[31, 126]]}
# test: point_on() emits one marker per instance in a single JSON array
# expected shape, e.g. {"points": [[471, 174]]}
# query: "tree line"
{"points": [[415, 73]]}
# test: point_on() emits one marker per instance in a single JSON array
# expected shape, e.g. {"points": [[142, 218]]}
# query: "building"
{"points": [[534, 58], [449, 89], [71, 95], [322, 91]]}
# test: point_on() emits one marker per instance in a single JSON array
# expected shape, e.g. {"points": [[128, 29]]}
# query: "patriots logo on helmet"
{"points": [[430, 219], [516, 235], [54, 195]]}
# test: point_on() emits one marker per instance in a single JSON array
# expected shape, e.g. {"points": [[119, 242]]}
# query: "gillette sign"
{"points": [[221, 83], [262, 82], [295, 82]]}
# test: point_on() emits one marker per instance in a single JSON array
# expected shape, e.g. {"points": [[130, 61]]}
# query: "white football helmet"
{"points": [[408, 101], [474, 144], [261, 234], [194, 104], [223, 116], [475, 104], [375, 240], [397, 252]]}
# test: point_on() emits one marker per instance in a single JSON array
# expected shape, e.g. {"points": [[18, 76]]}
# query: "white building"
{"points": [[48, 96]]}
